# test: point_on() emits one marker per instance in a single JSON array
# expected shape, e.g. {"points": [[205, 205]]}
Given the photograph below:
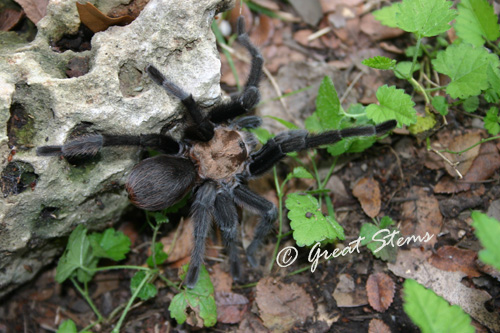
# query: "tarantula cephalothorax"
{"points": [[214, 160]]}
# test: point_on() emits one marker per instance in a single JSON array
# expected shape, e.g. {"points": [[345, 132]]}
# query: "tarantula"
{"points": [[214, 160]]}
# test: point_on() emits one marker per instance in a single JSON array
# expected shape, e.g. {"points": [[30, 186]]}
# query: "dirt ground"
{"points": [[398, 176]]}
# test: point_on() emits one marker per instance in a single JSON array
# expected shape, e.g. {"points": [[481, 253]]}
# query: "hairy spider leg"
{"points": [[250, 96], [200, 129], [202, 214], [268, 211], [226, 217], [291, 141], [90, 145]]}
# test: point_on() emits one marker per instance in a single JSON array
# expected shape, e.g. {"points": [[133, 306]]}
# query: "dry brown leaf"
{"points": [[267, 4], [9, 18], [367, 190], [263, 33], [222, 280], [235, 13], [184, 243], [230, 307], [483, 167], [376, 31], [378, 326], [251, 323], [34, 9], [421, 216], [281, 305], [380, 290], [96, 20], [459, 143], [348, 294], [452, 259]]}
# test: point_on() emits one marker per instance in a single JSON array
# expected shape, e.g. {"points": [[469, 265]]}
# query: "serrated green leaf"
{"points": [[67, 326], [488, 232], [308, 222], [403, 68], [368, 231], [200, 299], [76, 255], [285, 123], [493, 74], [328, 105], [160, 218], [467, 67], [386, 222], [425, 18], [432, 313], [471, 104], [379, 62], [110, 244], [423, 124], [492, 121], [301, 172], [387, 15], [394, 104], [440, 104], [147, 291], [313, 124], [160, 255], [476, 22]]}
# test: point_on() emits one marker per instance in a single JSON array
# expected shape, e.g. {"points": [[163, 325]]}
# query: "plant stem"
{"points": [[130, 302], [98, 269], [279, 190], [419, 87], [467, 149], [88, 299], [415, 55]]}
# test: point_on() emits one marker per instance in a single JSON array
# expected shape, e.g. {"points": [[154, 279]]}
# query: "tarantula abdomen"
{"points": [[159, 182]]}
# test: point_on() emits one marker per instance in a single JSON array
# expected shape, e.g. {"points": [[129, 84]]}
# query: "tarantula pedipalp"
{"points": [[214, 160]]}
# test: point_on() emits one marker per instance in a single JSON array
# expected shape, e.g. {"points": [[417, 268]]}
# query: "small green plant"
{"points": [[80, 261], [368, 230], [432, 313], [488, 232]]}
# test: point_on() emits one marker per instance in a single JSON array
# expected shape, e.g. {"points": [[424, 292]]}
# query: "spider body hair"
{"points": [[213, 161]]}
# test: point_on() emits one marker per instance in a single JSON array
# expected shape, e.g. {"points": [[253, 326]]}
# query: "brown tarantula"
{"points": [[214, 160]]}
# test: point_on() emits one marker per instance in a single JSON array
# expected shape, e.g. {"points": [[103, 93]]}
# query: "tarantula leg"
{"points": [[90, 145], [250, 96], [226, 217], [202, 129], [244, 197], [247, 122], [290, 141], [203, 206], [159, 182]]}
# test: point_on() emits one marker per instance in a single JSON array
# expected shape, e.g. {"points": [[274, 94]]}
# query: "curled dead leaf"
{"points": [[452, 259], [380, 290], [367, 190], [34, 9], [96, 20], [9, 18]]}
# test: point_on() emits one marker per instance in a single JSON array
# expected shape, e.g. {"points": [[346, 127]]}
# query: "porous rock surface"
{"points": [[44, 198]]}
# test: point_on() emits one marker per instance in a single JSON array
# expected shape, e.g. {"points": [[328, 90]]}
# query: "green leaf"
{"points": [[425, 18], [368, 231], [160, 218], [313, 124], [379, 62], [328, 105], [477, 22], [387, 15], [301, 172], [148, 289], [160, 255], [410, 51], [285, 123], [493, 74], [467, 67], [261, 134], [386, 222], [423, 124], [441, 104], [492, 121], [76, 255], [67, 326], [110, 244], [308, 222], [200, 299], [394, 104], [403, 70], [471, 104], [488, 232], [432, 313]]}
